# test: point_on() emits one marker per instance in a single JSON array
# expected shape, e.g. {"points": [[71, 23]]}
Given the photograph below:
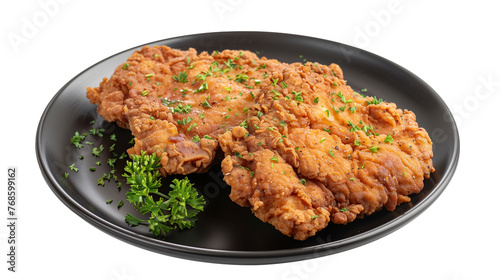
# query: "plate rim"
{"points": [[247, 257]]}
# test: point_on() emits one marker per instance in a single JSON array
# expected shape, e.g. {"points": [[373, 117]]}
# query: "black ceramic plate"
{"points": [[226, 232]]}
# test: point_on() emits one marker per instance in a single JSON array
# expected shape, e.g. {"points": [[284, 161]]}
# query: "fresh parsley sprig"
{"points": [[143, 177], [178, 209]]}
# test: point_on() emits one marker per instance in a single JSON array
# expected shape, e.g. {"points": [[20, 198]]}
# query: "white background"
{"points": [[454, 47]]}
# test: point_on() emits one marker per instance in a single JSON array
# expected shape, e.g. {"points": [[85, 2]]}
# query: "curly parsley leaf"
{"points": [[184, 203], [178, 209], [143, 177]]}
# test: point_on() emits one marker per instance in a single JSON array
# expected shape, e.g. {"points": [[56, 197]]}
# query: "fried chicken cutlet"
{"points": [[301, 147], [351, 155], [177, 103]]}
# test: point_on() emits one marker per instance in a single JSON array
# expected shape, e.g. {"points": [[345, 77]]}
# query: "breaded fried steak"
{"points": [[301, 147]]}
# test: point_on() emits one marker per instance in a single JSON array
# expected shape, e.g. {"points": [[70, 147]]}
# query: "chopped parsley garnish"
{"points": [[191, 127], [182, 77], [240, 78], [203, 76], [188, 62], [247, 169], [96, 131], [388, 139], [185, 121], [205, 103], [182, 109], [73, 168], [375, 101], [77, 138], [366, 128], [203, 87], [196, 138], [244, 124], [330, 152], [298, 96], [342, 98], [374, 149], [168, 102], [111, 162], [354, 126], [229, 63], [276, 94], [97, 151]]}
